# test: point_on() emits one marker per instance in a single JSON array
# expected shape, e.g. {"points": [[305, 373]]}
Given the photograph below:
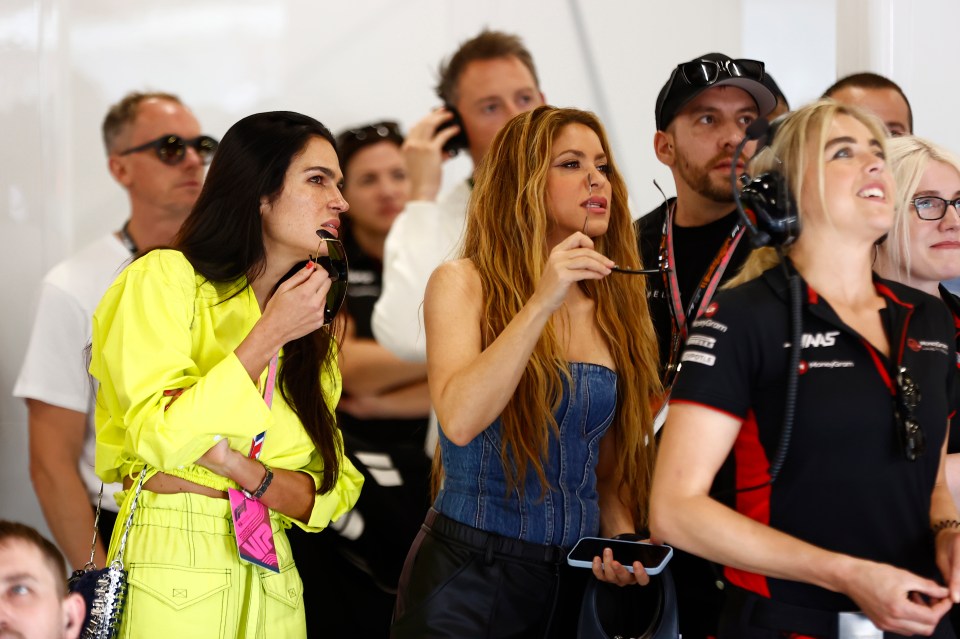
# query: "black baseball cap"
{"points": [[691, 78]]}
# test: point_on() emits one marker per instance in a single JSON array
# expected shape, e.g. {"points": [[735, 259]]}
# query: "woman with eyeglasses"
{"points": [[541, 369], [218, 379], [843, 525], [382, 413], [923, 247]]}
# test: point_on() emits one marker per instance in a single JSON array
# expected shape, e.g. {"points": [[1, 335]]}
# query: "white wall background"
{"points": [[63, 63]]}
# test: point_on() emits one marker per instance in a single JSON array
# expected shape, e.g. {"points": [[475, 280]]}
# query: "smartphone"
{"points": [[652, 556], [458, 142]]}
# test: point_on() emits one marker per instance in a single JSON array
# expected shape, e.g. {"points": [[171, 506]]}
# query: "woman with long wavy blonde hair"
{"points": [[542, 363]]}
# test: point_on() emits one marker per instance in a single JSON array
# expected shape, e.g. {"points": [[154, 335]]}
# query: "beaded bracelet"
{"points": [[262, 488], [943, 524]]}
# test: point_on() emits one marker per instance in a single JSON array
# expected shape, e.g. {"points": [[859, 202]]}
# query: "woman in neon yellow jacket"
{"points": [[188, 347]]}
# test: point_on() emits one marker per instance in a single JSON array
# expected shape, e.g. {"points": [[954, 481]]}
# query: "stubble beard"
{"points": [[698, 179]]}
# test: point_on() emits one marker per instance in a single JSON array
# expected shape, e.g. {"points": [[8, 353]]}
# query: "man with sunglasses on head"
{"points": [[156, 151], [696, 238]]}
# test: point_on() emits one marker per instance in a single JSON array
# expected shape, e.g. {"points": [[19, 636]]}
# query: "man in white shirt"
{"points": [[155, 150], [490, 79]]}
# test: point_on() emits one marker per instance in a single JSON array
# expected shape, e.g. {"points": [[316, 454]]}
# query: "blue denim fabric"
{"points": [[475, 487]]}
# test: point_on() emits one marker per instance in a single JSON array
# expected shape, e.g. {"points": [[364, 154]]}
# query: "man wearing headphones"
{"points": [[701, 113]]}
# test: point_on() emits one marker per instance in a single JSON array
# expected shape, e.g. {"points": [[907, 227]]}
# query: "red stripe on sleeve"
{"points": [[753, 469]]}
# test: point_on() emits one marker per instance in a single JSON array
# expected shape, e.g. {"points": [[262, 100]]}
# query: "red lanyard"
{"points": [[708, 283], [703, 295]]}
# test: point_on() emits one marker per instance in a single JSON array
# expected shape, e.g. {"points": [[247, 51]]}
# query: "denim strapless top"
{"points": [[475, 488]]}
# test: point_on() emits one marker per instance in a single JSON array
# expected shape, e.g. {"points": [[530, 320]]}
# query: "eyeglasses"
{"points": [[906, 401], [172, 149], [931, 207], [335, 264], [705, 72]]}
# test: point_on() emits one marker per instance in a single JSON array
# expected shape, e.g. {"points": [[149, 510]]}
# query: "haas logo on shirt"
{"points": [[817, 340]]}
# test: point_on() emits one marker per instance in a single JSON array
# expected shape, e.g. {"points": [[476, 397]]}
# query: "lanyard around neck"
{"points": [[703, 295], [271, 381], [126, 240]]}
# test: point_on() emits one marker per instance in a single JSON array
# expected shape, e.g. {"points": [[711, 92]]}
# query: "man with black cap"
{"points": [[702, 113]]}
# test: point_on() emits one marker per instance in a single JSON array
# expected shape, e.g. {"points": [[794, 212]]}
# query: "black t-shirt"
{"points": [[846, 484], [694, 249], [365, 281]]}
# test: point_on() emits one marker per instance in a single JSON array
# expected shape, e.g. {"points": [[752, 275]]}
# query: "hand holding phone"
{"points": [[653, 557], [424, 154], [458, 142]]}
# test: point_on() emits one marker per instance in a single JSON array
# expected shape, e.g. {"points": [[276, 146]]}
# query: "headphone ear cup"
{"points": [[768, 201]]}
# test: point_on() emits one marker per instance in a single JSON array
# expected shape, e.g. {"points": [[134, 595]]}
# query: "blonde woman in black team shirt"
{"points": [[859, 517], [923, 248]]}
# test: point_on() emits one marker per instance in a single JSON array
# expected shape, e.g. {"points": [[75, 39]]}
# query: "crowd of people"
{"points": [[420, 398]]}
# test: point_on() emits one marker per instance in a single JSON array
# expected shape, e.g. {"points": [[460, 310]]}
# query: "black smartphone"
{"points": [[458, 142], [652, 556]]}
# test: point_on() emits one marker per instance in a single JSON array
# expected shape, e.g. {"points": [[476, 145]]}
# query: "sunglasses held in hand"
{"points": [[172, 149], [906, 400], [335, 264]]}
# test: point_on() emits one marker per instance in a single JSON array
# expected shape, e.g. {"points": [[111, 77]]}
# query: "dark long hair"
{"points": [[223, 240]]}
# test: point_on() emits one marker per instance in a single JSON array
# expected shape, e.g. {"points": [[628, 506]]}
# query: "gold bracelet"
{"points": [[943, 524]]}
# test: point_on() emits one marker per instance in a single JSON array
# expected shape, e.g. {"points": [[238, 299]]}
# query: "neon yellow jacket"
{"points": [[161, 328]]}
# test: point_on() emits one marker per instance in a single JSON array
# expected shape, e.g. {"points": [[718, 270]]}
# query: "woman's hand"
{"points": [[948, 560], [612, 571], [572, 260], [219, 459], [896, 600], [291, 492], [296, 308]]}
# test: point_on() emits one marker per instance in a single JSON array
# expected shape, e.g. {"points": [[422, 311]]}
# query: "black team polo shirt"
{"points": [[846, 484]]}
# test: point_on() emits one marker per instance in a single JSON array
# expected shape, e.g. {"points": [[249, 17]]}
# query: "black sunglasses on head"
{"points": [[335, 264], [172, 149], [373, 131], [705, 72]]}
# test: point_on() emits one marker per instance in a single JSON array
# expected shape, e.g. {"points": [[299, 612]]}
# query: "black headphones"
{"points": [[766, 205]]}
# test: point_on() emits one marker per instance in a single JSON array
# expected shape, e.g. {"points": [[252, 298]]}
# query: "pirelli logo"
{"points": [[699, 358], [702, 341]]}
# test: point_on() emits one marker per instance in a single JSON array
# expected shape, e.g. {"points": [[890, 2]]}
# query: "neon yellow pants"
{"points": [[185, 577]]}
